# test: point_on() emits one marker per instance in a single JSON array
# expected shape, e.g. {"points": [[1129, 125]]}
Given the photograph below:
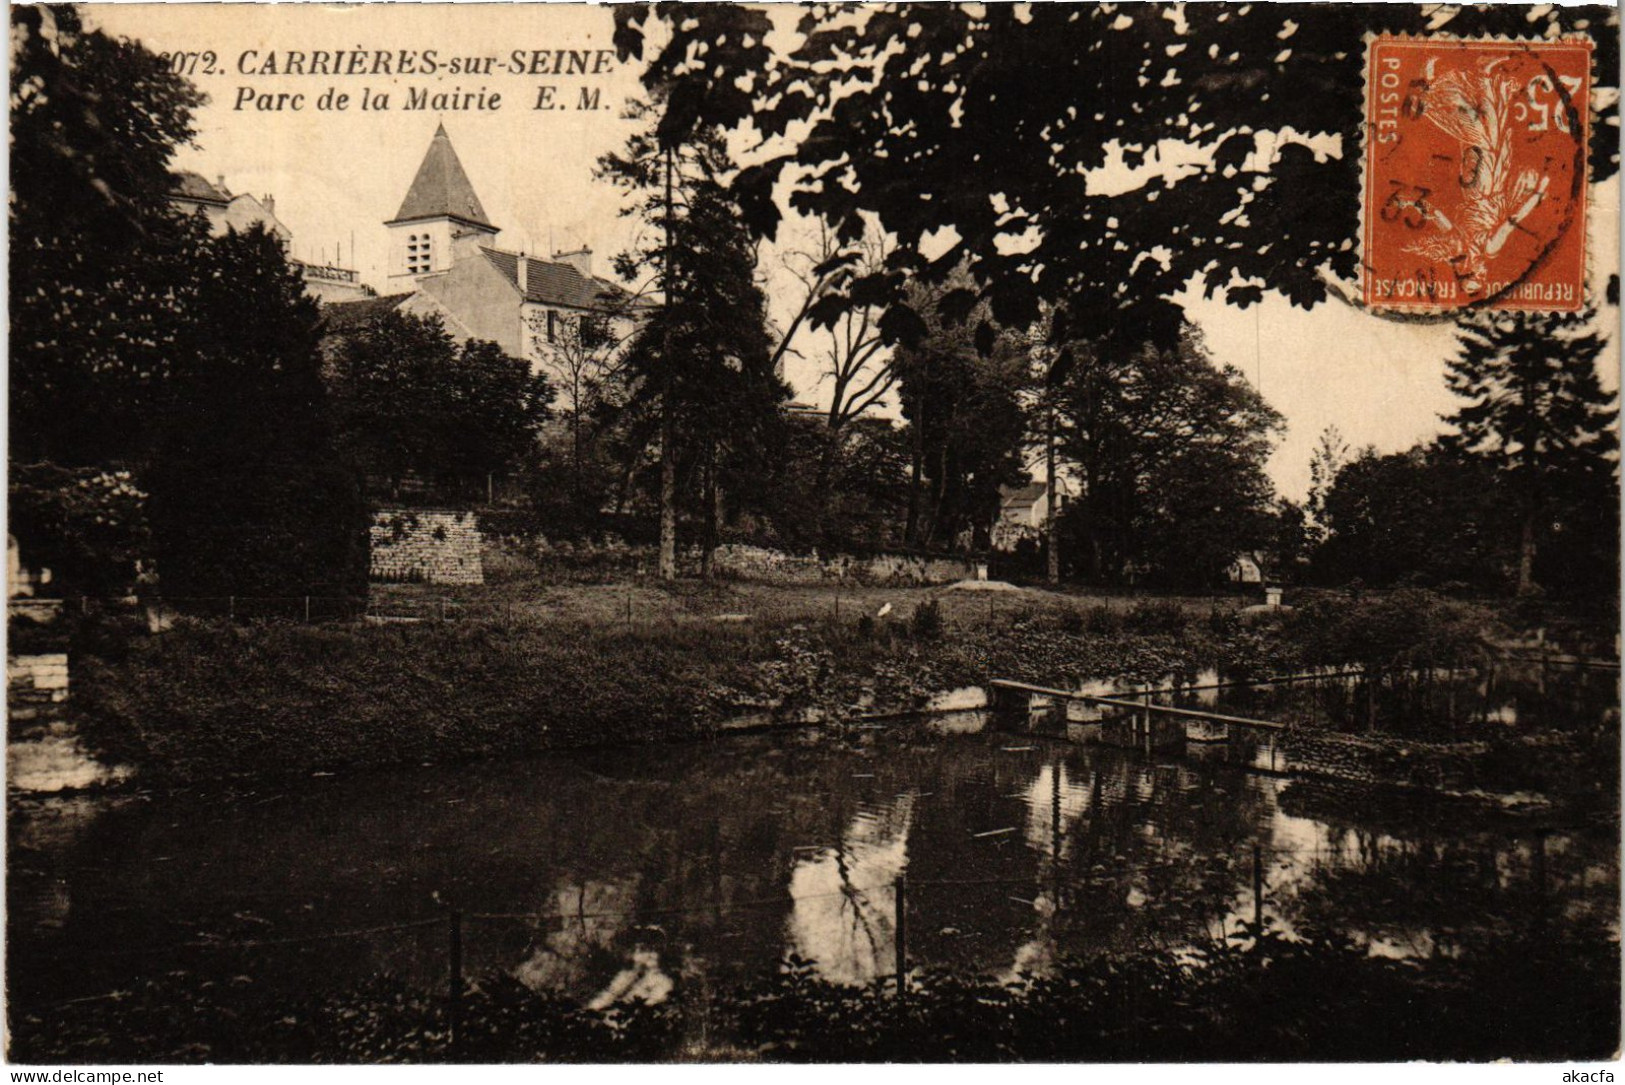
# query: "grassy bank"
{"points": [[1262, 999], [211, 699]]}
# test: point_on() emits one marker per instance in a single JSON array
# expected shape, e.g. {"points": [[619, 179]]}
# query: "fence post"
{"points": [[455, 979], [1258, 888], [307, 610], [900, 924], [231, 608]]}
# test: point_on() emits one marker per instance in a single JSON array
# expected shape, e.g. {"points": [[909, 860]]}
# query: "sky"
{"points": [[337, 175]]}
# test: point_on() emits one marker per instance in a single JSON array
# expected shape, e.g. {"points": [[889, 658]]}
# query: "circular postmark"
{"points": [[1474, 175]]}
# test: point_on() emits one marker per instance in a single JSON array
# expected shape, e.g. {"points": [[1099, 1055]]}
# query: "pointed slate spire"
{"points": [[441, 188]]}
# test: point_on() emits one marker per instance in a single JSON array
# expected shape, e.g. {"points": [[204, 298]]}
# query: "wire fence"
{"points": [[645, 602], [630, 602]]}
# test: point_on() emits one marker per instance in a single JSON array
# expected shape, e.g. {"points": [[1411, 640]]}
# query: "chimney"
{"points": [[270, 203], [220, 183], [580, 259], [523, 263]]}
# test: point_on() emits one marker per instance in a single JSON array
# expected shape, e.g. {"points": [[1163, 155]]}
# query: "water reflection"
{"points": [[633, 874], [843, 916]]}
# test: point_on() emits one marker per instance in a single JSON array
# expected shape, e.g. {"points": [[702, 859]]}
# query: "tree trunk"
{"points": [[575, 444], [1526, 555], [911, 532], [668, 453], [939, 496], [709, 544], [668, 495], [1053, 572], [826, 468]]}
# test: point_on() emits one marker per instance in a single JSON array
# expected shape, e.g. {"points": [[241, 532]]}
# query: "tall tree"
{"points": [[1425, 516], [966, 423], [702, 362], [1170, 449], [584, 357], [137, 341], [1331, 453], [1535, 410], [249, 495], [100, 265], [852, 353], [411, 402]]}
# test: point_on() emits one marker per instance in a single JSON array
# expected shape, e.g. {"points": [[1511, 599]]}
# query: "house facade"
{"points": [[191, 193], [1023, 511]]}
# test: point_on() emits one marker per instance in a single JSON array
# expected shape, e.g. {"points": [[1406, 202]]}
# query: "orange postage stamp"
{"points": [[1475, 174]]}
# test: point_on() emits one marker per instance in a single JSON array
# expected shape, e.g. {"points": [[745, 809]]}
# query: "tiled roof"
{"points": [[194, 186], [1024, 495], [441, 188], [343, 316], [552, 283]]}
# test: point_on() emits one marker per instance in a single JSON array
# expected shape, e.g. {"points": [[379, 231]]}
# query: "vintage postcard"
{"points": [[847, 533]]}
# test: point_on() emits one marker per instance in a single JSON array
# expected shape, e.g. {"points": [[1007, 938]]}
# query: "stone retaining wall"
{"points": [[434, 546], [35, 684], [761, 563]]}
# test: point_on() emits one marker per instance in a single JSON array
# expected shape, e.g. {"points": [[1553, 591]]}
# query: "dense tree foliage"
{"points": [[1536, 414], [1169, 449], [966, 426], [843, 489], [978, 137], [1522, 496], [100, 268], [139, 343], [87, 525], [249, 495], [411, 403], [1422, 516], [1100, 161]]}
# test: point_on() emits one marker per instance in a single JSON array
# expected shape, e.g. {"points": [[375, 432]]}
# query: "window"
{"points": [[591, 332], [418, 258], [552, 326]]}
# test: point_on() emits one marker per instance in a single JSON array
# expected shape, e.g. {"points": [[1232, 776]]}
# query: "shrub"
{"points": [[1103, 621], [1400, 629], [927, 621], [1264, 997], [1157, 616]]}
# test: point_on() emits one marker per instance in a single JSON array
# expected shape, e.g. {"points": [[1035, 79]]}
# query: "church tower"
{"points": [[440, 222]]}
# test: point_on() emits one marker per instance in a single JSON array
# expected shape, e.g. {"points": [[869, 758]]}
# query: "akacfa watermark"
{"points": [[1598, 1076]]}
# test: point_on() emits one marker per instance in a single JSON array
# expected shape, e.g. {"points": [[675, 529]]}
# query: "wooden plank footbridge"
{"points": [[1201, 725]]}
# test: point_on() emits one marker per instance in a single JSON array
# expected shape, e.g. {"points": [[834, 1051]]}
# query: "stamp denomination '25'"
{"points": [[1475, 174]]}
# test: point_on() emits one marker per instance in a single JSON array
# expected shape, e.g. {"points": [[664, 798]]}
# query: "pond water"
{"points": [[620, 873]]}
